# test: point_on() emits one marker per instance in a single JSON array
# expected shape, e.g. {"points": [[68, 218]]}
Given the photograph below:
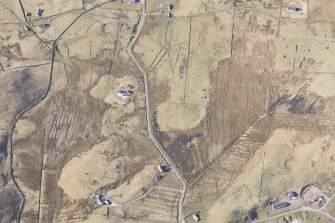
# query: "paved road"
{"points": [[148, 116]]}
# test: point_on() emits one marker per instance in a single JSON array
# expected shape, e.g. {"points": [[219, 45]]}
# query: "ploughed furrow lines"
{"points": [[159, 206], [218, 176], [305, 122]]}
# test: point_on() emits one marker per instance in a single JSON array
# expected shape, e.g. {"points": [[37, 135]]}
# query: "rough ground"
{"points": [[226, 124], [242, 101]]}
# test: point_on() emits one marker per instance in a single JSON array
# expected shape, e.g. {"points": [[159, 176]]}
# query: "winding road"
{"points": [[148, 116]]}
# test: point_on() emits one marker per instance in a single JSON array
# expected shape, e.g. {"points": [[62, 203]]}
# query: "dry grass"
{"points": [[291, 159], [331, 207]]}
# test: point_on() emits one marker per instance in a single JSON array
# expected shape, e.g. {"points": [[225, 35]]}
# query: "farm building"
{"points": [[39, 12], [196, 216], [158, 177], [293, 9], [292, 195], [44, 26], [280, 205], [125, 93], [162, 168], [96, 200], [170, 7]]}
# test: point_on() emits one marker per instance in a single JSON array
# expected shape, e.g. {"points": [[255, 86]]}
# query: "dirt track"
{"points": [[149, 122]]}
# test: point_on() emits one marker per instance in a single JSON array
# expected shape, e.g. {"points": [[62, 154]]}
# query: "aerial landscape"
{"points": [[167, 111]]}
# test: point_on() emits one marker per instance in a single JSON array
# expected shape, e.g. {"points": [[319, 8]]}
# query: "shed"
{"points": [[196, 216], [28, 14], [162, 168], [134, 1], [39, 12], [170, 7], [102, 201], [292, 195], [44, 26], [280, 205], [293, 9], [158, 177], [122, 93]]}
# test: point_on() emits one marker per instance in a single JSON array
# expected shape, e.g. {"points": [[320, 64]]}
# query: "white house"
{"points": [[161, 168]]}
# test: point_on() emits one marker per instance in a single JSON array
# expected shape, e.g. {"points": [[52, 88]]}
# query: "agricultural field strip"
{"points": [[27, 66], [145, 195], [204, 171]]}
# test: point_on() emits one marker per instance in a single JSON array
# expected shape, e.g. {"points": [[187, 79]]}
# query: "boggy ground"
{"points": [[24, 81], [82, 137], [242, 105]]}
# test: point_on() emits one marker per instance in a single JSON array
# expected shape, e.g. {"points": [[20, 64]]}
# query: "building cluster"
{"points": [[291, 195], [170, 9], [162, 170], [310, 195], [39, 13], [125, 93]]}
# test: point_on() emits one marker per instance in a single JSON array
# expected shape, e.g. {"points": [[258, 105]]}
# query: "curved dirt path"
{"points": [[148, 117]]}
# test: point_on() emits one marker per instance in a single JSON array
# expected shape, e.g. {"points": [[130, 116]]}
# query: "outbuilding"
{"points": [[293, 9], [280, 205], [162, 168], [170, 7], [292, 195], [39, 12], [44, 26], [196, 216], [102, 201], [158, 177]]}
